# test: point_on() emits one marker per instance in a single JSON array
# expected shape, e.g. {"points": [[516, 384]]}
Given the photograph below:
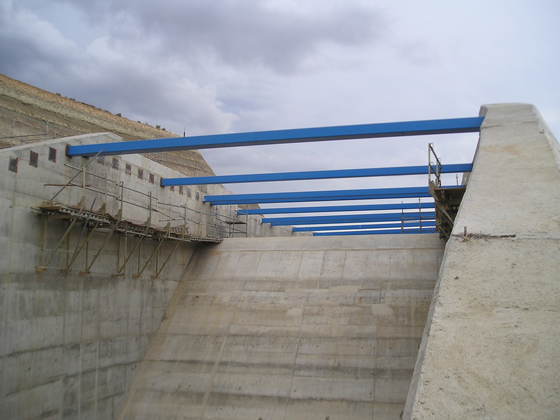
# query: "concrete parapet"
{"points": [[491, 345]]}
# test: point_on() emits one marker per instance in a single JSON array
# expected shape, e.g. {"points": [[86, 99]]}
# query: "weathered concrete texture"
{"points": [[291, 328], [70, 344], [491, 345]]}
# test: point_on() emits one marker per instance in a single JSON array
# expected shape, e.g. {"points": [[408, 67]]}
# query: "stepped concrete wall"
{"points": [[291, 328], [491, 347], [70, 344]]}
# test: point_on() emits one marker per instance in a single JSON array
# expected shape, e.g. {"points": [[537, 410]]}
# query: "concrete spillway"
{"points": [[291, 328], [154, 322]]}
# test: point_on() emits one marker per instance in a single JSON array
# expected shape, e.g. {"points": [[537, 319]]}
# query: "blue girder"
{"points": [[347, 218], [332, 209], [309, 175], [379, 232], [393, 129], [415, 224], [306, 196]]}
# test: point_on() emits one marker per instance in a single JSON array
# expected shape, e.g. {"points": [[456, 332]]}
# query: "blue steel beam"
{"points": [[364, 220], [346, 218], [324, 209], [309, 175], [367, 226], [378, 232], [305, 196], [394, 129]]}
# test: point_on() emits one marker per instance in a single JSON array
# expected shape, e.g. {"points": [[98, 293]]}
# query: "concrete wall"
{"points": [[70, 344], [291, 328], [296, 327], [491, 347]]}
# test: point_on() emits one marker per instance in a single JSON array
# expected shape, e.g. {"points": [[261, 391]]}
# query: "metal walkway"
{"points": [[99, 221]]}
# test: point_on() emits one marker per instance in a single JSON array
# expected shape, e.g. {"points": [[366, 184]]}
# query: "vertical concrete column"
{"points": [[491, 346]]}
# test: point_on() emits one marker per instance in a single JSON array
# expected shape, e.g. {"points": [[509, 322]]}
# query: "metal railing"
{"points": [[164, 221], [434, 168], [176, 216]]}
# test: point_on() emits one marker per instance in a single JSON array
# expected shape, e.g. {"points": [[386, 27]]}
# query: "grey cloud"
{"points": [[160, 61], [173, 103], [30, 46], [218, 66], [112, 74], [242, 33]]}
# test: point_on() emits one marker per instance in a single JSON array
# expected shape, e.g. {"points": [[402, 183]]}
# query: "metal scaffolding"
{"points": [[164, 222], [97, 221], [446, 199]]}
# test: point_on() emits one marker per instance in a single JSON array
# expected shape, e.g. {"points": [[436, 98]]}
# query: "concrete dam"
{"points": [[123, 299]]}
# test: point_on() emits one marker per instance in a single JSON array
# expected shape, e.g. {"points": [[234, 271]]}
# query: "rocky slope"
{"points": [[31, 114]]}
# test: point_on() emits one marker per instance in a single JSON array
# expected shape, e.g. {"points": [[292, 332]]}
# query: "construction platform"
{"points": [[100, 221]]}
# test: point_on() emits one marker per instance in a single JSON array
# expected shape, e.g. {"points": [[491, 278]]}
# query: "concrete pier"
{"points": [[491, 347]]}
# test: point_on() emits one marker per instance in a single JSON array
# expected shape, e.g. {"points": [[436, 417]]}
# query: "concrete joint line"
{"points": [[294, 369], [212, 378], [534, 237], [506, 123], [469, 236]]}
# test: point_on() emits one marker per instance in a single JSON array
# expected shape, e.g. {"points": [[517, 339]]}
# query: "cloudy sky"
{"points": [[220, 66]]}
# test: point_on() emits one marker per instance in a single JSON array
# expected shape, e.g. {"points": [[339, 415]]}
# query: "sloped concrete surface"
{"points": [[291, 328], [491, 347]]}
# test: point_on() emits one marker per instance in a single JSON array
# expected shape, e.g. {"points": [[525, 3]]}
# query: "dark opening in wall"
{"points": [[52, 154], [115, 163], [13, 164], [33, 159], [101, 160], [140, 173], [128, 169], [152, 178], [181, 189]]}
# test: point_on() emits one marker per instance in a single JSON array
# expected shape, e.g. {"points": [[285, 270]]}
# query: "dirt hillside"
{"points": [[30, 114]]}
